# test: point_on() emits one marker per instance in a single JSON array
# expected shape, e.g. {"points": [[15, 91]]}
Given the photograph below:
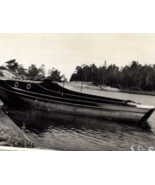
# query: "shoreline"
{"points": [[150, 93], [88, 85]]}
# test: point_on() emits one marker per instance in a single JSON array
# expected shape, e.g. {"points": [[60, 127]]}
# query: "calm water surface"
{"points": [[65, 132]]}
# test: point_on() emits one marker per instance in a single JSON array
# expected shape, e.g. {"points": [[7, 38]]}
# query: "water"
{"points": [[66, 132]]}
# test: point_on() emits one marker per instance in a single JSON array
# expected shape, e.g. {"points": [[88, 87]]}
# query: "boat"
{"points": [[48, 95]]}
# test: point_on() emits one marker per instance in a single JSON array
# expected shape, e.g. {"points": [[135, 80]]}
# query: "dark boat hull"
{"points": [[74, 104]]}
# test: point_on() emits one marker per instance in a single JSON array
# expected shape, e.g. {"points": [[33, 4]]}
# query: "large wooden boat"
{"points": [[49, 96]]}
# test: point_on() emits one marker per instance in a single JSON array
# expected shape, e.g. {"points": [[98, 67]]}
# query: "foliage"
{"points": [[55, 75], [33, 71], [41, 70], [134, 76], [3, 67], [22, 70], [12, 65]]}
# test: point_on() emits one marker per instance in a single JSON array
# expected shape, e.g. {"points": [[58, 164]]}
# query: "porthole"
{"points": [[28, 86], [16, 84]]}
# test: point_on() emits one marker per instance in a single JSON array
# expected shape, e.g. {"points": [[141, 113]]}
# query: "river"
{"points": [[65, 132]]}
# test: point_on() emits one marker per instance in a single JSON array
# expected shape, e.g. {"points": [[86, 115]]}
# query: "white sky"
{"points": [[65, 51]]}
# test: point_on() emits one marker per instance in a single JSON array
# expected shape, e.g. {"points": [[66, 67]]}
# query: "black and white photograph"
{"points": [[77, 88], [77, 91]]}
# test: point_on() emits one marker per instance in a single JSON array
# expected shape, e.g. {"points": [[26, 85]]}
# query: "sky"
{"points": [[65, 51]]}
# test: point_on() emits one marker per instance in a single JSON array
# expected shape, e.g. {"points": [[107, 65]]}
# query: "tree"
{"points": [[133, 76], [41, 70], [63, 78], [54, 73], [22, 70], [3, 67], [12, 65], [73, 77], [33, 71]]}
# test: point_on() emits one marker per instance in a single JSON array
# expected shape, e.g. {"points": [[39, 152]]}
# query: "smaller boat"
{"points": [[48, 95]]}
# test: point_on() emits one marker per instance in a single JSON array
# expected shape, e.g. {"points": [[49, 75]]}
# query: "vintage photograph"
{"points": [[77, 91]]}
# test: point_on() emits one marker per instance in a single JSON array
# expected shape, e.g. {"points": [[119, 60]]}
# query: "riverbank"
{"points": [[89, 85], [151, 93], [10, 134]]}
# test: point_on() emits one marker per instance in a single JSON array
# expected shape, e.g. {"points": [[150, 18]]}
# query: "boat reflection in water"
{"points": [[69, 132]]}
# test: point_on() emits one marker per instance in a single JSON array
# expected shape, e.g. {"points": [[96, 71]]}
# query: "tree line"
{"points": [[32, 72], [134, 76]]}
